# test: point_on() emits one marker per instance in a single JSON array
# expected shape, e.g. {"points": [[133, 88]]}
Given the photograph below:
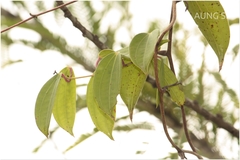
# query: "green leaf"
{"points": [[101, 120], [44, 103], [141, 49], [168, 79], [132, 83], [64, 109], [212, 22], [163, 41], [106, 84], [124, 53], [105, 52]]}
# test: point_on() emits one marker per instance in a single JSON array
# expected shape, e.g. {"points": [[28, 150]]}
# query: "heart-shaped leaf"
{"points": [[212, 22], [141, 49], [107, 79], [101, 120], [64, 109]]}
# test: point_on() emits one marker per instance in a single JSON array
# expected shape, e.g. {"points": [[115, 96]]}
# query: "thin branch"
{"points": [[36, 15], [85, 32], [218, 120]]}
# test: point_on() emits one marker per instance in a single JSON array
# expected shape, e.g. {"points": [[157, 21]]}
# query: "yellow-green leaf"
{"points": [[212, 22], [44, 103], [132, 83], [106, 84], [124, 53], [141, 49], [168, 80], [64, 109], [101, 120], [105, 52]]}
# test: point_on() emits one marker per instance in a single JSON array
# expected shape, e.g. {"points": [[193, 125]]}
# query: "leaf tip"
{"points": [[220, 66], [110, 136], [46, 134], [44, 131], [71, 132], [131, 115]]}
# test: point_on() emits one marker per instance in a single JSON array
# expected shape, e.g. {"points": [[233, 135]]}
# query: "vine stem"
{"points": [[181, 152], [161, 92], [36, 15], [169, 56], [193, 153], [185, 129], [169, 47]]}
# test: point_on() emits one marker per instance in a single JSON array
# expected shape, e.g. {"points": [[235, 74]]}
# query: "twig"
{"points": [[36, 15], [85, 32]]}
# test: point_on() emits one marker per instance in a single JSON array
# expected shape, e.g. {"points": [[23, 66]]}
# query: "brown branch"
{"points": [[218, 120], [36, 15], [85, 32]]}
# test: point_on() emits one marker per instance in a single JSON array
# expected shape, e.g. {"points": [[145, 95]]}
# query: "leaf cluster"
{"points": [[195, 84]]}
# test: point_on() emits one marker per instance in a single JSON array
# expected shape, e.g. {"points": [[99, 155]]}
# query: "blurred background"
{"points": [[31, 52]]}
